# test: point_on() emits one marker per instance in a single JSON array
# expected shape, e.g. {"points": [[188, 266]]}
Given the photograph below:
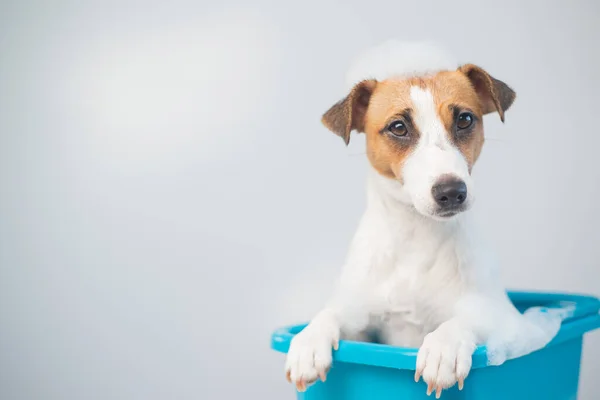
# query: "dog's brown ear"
{"points": [[349, 113], [494, 94]]}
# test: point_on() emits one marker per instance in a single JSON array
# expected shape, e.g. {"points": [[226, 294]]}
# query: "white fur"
{"points": [[434, 156], [420, 281]]}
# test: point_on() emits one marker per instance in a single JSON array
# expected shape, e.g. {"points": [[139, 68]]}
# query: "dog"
{"points": [[416, 271]]}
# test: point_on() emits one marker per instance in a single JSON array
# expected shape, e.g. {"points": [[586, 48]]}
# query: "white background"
{"points": [[168, 196]]}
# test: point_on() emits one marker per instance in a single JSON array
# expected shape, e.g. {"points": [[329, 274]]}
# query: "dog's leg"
{"points": [[310, 354], [445, 356], [347, 316], [347, 313]]}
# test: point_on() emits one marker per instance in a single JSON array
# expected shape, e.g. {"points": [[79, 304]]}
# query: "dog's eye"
{"points": [[464, 120], [397, 128]]}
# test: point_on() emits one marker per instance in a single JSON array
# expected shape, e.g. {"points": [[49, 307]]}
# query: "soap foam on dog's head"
{"points": [[398, 59]]}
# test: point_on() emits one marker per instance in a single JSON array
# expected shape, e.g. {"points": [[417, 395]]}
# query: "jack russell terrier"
{"points": [[416, 271]]}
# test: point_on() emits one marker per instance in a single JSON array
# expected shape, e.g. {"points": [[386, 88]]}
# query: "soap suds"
{"points": [[506, 333], [399, 59]]}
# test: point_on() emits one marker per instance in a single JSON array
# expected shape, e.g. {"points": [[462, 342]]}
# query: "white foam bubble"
{"points": [[399, 59]]}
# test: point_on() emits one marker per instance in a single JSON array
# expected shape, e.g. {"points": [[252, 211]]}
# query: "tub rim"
{"points": [[585, 318]]}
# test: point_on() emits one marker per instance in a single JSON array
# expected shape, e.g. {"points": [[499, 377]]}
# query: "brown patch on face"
{"points": [[390, 102], [472, 90], [453, 94], [372, 106]]}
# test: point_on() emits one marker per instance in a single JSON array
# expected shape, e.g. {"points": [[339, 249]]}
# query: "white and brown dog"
{"points": [[416, 271]]}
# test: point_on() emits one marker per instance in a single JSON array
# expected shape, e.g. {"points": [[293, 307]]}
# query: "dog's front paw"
{"points": [[444, 359], [310, 356]]}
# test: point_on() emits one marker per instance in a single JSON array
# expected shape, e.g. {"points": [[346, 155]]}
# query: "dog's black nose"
{"points": [[449, 193]]}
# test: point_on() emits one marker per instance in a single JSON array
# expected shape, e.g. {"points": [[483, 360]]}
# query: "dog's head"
{"points": [[424, 131]]}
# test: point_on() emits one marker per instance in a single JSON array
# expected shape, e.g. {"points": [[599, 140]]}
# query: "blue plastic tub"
{"points": [[369, 371]]}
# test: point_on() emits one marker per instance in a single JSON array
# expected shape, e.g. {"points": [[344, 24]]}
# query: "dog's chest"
{"points": [[419, 283]]}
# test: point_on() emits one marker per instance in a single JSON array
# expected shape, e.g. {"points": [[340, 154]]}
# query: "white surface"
{"points": [[168, 193]]}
